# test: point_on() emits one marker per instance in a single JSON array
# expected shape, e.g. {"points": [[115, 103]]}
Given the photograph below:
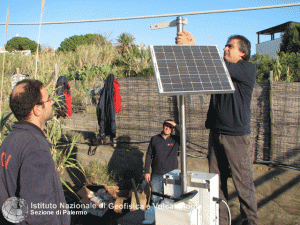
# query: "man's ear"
{"points": [[243, 54], [36, 110]]}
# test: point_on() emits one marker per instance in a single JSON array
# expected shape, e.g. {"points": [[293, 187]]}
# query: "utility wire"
{"points": [[164, 15]]}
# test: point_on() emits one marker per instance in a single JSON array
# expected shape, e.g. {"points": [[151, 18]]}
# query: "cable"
{"points": [[196, 156], [218, 200], [156, 16], [229, 214], [190, 155], [277, 164]]}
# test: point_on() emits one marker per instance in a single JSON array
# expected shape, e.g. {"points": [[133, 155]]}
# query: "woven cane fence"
{"points": [[275, 118]]}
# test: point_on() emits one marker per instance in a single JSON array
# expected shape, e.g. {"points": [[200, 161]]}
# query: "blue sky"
{"points": [[208, 29]]}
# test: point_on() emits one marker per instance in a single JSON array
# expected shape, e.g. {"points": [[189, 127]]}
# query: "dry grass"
{"points": [[98, 173], [67, 62], [97, 55], [2, 77]]}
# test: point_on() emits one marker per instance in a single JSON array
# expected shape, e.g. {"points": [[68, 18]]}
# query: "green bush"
{"points": [[287, 67], [135, 62], [264, 64], [146, 72], [71, 43], [87, 73], [21, 43]]}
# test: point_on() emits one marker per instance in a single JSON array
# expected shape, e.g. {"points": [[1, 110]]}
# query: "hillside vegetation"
{"points": [[87, 60], [86, 66]]}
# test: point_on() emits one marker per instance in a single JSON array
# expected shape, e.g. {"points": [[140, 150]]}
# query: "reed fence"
{"points": [[275, 119]]}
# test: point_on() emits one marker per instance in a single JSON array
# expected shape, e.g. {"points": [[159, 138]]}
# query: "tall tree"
{"points": [[71, 43], [291, 39], [21, 43]]}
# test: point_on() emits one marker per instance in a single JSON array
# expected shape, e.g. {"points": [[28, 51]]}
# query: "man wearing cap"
{"points": [[161, 156]]}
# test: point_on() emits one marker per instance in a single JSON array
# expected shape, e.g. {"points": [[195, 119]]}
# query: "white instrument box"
{"points": [[187, 215], [207, 185]]}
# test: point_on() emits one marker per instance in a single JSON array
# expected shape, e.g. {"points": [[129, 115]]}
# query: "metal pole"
{"points": [[179, 24], [183, 145], [183, 130], [156, 16]]}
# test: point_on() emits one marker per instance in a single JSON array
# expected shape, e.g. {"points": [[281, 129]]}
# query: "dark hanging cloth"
{"points": [[64, 108], [106, 109]]}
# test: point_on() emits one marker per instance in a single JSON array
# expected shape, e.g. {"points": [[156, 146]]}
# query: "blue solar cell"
{"points": [[184, 69]]}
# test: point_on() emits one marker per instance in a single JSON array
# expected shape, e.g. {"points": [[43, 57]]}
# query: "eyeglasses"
{"points": [[168, 125], [41, 103]]}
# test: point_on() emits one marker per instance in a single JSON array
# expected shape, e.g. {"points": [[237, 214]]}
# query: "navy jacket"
{"points": [[27, 171], [106, 108], [162, 153], [230, 114]]}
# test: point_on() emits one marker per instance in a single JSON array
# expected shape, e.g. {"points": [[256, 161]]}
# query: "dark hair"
{"points": [[166, 121], [22, 103], [244, 45]]}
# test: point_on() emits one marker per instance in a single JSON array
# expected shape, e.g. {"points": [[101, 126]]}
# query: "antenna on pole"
{"points": [[168, 24], [179, 22]]}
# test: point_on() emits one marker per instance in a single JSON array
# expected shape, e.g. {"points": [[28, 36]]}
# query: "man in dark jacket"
{"points": [[228, 118], [162, 156], [27, 169]]}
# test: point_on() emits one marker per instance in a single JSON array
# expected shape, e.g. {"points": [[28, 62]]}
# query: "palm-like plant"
{"points": [[63, 154], [5, 125], [126, 40]]}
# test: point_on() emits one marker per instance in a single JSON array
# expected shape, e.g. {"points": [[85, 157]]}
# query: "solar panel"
{"points": [[190, 69]]}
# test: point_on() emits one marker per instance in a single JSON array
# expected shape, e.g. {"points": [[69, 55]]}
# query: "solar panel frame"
{"points": [[190, 69]]}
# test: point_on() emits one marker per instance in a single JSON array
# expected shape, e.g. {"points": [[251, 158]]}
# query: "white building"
{"points": [[2, 50], [271, 47]]}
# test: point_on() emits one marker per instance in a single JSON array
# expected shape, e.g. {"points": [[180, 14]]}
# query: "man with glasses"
{"points": [[27, 169], [161, 156]]}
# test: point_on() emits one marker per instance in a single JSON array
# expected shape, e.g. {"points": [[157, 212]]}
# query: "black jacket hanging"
{"points": [[106, 109]]}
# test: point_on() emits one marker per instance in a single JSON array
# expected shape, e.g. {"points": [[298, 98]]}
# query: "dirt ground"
{"points": [[277, 190]]}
